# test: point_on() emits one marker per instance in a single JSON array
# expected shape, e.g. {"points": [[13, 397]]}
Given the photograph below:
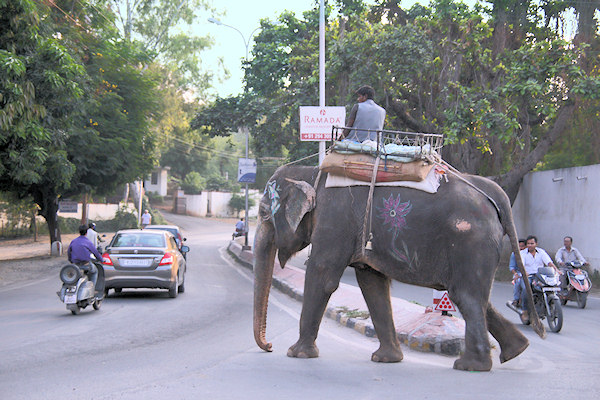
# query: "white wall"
{"points": [[98, 211], [558, 203], [161, 185], [198, 204]]}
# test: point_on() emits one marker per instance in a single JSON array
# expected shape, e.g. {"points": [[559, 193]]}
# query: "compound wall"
{"points": [[558, 203]]}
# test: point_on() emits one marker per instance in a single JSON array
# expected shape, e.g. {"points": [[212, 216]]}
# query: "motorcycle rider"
{"points": [[80, 251], [512, 266], [533, 258], [566, 254], [93, 235]]}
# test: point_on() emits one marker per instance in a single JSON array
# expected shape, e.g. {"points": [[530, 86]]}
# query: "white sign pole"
{"points": [[322, 70]]}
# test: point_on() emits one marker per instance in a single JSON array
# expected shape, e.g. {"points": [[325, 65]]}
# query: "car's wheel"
{"points": [[106, 292], [181, 288], [555, 317], [581, 299], [173, 289], [97, 304]]}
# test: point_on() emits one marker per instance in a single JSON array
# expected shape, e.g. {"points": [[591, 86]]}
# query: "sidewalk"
{"points": [[20, 249], [417, 329]]}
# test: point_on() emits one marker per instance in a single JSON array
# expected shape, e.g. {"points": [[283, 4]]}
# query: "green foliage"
{"points": [[159, 26], [238, 203], [498, 82], [193, 183], [154, 198]]}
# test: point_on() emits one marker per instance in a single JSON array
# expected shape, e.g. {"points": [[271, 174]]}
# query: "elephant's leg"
{"points": [[512, 341], [321, 280], [473, 306], [376, 291]]}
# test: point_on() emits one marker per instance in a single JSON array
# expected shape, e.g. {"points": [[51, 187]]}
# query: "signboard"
{"points": [[246, 170], [442, 302], [316, 122], [67, 206]]}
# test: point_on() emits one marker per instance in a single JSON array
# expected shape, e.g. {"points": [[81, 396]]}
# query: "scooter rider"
{"points": [[79, 253], [533, 258], [566, 254]]}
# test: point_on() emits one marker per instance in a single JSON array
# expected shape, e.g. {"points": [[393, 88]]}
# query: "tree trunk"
{"points": [[511, 181], [84, 204], [134, 191]]}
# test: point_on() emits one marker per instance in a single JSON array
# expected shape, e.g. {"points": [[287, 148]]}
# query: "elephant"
{"points": [[450, 240]]}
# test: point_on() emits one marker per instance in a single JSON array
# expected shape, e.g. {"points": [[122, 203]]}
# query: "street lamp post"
{"points": [[247, 45]]}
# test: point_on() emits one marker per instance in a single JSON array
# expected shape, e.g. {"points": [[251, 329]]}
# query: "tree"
{"points": [[500, 83], [154, 24], [76, 105], [38, 90]]}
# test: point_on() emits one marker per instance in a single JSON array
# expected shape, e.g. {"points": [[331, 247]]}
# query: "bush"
{"points": [[238, 203], [154, 198], [193, 183], [124, 219], [69, 225]]}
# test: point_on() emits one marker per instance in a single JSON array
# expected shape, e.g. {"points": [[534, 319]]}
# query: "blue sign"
{"points": [[247, 170]]}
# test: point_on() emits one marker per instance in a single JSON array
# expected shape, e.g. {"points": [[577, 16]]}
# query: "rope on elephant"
{"points": [[301, 159], [368, 211], [458, 174]]}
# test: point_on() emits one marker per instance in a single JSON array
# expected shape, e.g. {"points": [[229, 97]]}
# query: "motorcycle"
{"points": [[578, 284], [78, 291], [545, 285]]}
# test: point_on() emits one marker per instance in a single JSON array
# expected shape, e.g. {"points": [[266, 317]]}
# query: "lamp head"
{"points": [[214, 21]]}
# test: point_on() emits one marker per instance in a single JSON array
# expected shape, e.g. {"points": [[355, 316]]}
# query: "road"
{"points": [[144, 345]]}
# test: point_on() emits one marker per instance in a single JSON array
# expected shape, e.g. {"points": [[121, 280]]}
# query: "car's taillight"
{"points": [[106, 259], [167, 259]]}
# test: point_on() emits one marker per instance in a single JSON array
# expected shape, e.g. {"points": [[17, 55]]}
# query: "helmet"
{"points": [[92, 225]]}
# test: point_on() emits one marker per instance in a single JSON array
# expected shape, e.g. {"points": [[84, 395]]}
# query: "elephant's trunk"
{"points": [[264, 260]]}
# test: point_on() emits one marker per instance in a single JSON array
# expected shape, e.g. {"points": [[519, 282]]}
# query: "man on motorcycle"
{"points": [[80, 251], [512, 266], [566, 254], [533, 258]]}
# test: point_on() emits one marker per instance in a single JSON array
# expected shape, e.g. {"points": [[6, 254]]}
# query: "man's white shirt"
{"points": [[532, 263], [92, 235]]}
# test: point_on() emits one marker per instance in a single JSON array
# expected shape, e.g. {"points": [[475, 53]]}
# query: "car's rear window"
{"points": [[138, 240], [172, 230]]}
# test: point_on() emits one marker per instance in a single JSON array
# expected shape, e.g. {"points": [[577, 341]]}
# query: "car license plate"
{"points": [[136, 262], [70, 299]]}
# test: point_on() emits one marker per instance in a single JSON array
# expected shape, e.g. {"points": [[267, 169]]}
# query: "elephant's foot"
{"points": [[466, 363], [513, 348], [387, 355], [299, 350]]}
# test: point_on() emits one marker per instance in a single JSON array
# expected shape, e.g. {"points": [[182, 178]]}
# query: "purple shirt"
{"points": [[80, 249]]}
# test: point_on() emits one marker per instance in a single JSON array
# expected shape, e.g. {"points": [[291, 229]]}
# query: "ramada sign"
{"points": [[316, 122]]}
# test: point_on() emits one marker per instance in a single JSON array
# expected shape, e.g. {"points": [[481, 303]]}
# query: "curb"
{"points": [[427, 332]]}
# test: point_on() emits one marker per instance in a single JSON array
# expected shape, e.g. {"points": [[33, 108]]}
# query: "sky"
{"points": [[244, 15]]}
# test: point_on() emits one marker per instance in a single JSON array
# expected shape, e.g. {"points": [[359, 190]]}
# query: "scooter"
{"points": [[78, 291], [545, 285], [578, 284]]}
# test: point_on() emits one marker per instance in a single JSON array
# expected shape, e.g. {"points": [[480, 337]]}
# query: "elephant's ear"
{"points": [[300, 203]]}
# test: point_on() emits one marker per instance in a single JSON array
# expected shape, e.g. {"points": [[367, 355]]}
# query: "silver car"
{"points": [[144, 259]]}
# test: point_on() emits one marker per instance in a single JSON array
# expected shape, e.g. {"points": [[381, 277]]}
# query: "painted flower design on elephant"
{"points": [[272, 189], [393, 214]]}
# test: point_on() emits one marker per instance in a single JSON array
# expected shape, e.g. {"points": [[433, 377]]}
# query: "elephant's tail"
{"points": [[501, 202], [508, 223]]}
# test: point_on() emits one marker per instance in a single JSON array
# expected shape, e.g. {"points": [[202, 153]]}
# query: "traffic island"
{"points": [[416, 326]]}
